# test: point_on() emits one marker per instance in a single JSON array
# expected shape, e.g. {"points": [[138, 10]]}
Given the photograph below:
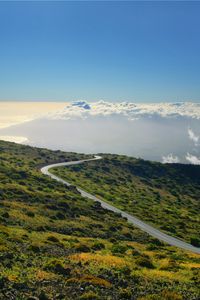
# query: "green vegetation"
{"points": [[166, 196], [55, 244]]}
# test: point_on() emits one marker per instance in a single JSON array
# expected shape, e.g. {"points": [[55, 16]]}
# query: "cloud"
{"points": [[194, 160], [193, 137], [160, 131], [170, 159], [131, 111]]}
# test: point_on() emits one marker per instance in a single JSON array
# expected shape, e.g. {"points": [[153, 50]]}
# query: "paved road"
{"points": [[135, 221]]}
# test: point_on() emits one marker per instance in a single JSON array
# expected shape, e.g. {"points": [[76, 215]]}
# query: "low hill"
{"points": [[164, 195], [55, 244]]}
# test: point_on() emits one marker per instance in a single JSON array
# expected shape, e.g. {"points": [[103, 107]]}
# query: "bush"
{"points": [[53, 239], [60, 216], [156, 242], [98, 246], [30, 214], [145, 262], [34, 248], [43, 296], [89, 296], [119, 249], [169, 295], [5, 215], [57, 267], [135, 252], [151, 247], [195, 241], [125, 294], [82, 248]]}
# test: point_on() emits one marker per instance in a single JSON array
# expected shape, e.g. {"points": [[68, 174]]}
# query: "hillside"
{"points": [[55, 244], [166, 196]]}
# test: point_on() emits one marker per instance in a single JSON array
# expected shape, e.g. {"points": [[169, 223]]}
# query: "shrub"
{"points": [[30, 214], [125, 270], [195, 241], [5, 215], [57, 267], [151, 247], [135, 252], [34, 248], [169, 295], [63, 205], [60, 216], [125, 294], [82, 248], [119, 249], [43, 296], [89, 296], [53, 239], [98, 246], [157, 242], [145, 262]]}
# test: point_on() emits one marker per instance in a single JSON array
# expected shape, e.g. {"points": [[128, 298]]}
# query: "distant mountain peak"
{"points": [[81, 104]]}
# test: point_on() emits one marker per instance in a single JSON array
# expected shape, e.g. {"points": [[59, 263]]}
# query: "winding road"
{"points": [[135, 221]]}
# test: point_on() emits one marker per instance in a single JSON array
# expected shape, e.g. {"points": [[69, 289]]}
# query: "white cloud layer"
{"points": [[154, 131], [193, 136], [170, 159], [193, 159], [82, 109]]}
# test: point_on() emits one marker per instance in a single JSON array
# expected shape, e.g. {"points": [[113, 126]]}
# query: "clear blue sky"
{"points": [[134, 51]]}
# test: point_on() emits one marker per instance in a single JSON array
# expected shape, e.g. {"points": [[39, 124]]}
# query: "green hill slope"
{"points": [[55, 244], [167, 196]]}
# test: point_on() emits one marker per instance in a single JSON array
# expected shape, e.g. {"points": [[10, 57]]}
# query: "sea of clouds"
{"points": [[132, 111], [166, 132]]}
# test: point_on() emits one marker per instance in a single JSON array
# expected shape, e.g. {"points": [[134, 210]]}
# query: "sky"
{"points": [[13, 113], [115, 51]]}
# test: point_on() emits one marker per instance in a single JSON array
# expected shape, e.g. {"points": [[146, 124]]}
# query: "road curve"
{"points": [[135, 221]]}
